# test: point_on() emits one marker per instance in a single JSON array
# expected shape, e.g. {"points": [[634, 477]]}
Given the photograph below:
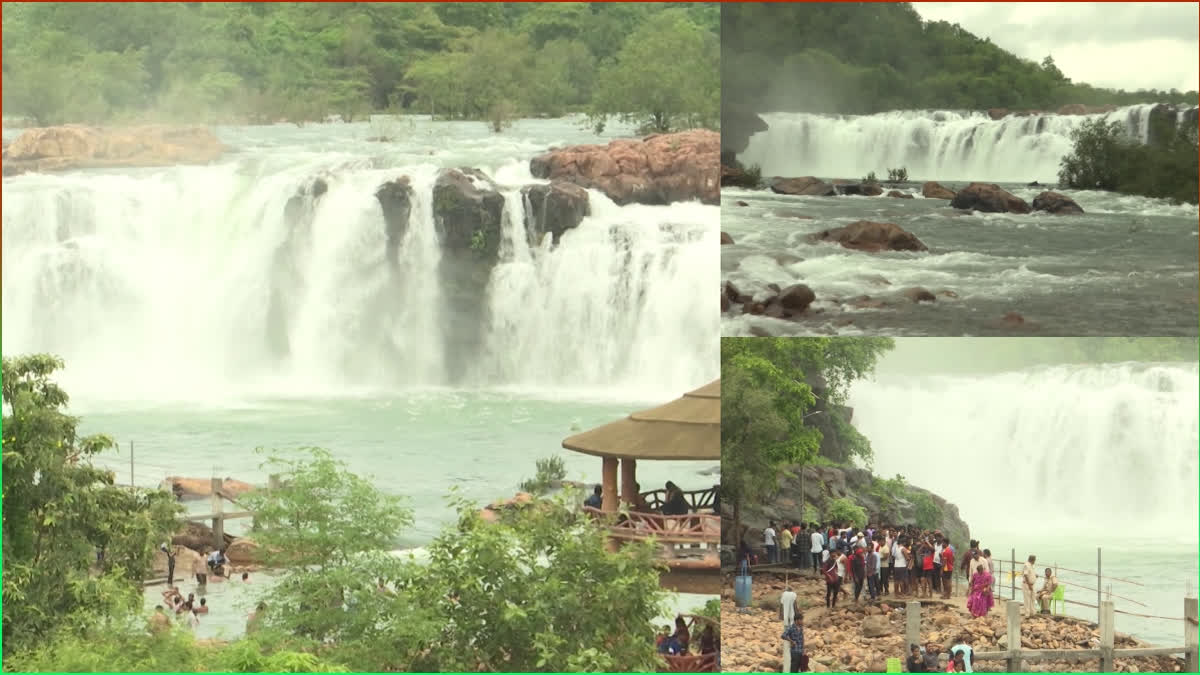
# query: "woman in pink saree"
{"points": [[980, 601]]}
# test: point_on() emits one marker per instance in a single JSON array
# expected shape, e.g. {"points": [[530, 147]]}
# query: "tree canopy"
{"points": [[261, 62], [1105, 157], [860, 57]]}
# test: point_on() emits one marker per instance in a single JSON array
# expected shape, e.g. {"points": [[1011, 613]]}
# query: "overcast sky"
{"points": [[1128, 45]]}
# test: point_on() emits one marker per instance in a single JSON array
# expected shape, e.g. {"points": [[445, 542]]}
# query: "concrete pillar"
{"points": [[1107, 635], [912, 624], [1190, 618], [609, 485], [1013, 614]]}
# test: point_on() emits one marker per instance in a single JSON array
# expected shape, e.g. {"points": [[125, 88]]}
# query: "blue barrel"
{"points": [[741, 585]]}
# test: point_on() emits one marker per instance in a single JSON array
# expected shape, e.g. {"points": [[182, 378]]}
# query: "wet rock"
{"points": [[896, 194], [726, 240], [554, 209], [658, 169], [467, 210], [1058, 204], [997, 113], [797, 297], [865, 235], [918, 294], [785, 259], [726, 305], [735, 295], [946, 293], [395, 197], [75, 146], [866, 302], [790, 213], [804, 185], [244, 551], [934, 190], [741, 203], [860, 189], [989, 198]]}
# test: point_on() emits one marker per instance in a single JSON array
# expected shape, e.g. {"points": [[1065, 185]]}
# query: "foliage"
{"points": [[870, 178], [888, 492], [844, 510], [898, 175], [928, 513], [749, 177], [260, 62], [1103, 157], [666, 77], [479, 241], [550, 470], [856, 58], [60, 512]]}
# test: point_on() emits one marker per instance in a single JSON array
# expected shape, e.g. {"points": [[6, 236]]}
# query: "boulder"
{"points": [[1056, 203], [185, 561], [243, 551], [741, 203], [726, 240], [738, 124], [658, 169], [896, 194], [797, 297], [83, 147], [997, 113], [876, 626], [918, 294], [990, 198], [934, 190], [467, 210], [804, 185], [395, 198], [197, 537], [202, 487], [865, 235], [860, 189], [554, 209]]}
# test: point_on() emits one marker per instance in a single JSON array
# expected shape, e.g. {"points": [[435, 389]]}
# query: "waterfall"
{"points": [[932, 145], [1096, 448], [219, 281]]}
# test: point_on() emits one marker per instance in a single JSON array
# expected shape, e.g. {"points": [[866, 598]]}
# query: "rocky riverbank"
{"points": [[861, 637], [76, 146]]}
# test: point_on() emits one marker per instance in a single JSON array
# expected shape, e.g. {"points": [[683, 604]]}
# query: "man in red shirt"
{"points": [[947, 568]]}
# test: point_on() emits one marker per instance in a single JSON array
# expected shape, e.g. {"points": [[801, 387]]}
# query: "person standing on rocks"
{"points": [[947, 570], [769, 542], [1028, 580], [900, 556], [858, 571], [787, 602], [802, 545], [833, 579], [818, 546], [872, 570], [794, 635], [785, 544], [887, 564]]}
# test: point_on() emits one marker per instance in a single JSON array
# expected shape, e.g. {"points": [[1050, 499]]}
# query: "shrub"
{"points": [[898, 175], [550, 470], [846, 511]]}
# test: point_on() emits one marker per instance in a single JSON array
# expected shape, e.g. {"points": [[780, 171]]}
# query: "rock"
{"points": [[554, 209], [997, 113], [876, 626], [865, 235], [1056, 203], [198, 537], [1012, 319], [797, 297], [815, 615], [202, 487], [395, 198], [185, 560], [467, 211], [726, 240], [804, 185], [738, 124], [989, 198], [82, 147], [946, 293], [860, 189], [244, 551], [726, 305], [741, 203], [896, 194], [918, 294], [789, 213], [658, 169], [933, 190]]}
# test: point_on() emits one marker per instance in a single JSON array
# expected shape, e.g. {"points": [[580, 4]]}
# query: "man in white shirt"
{"points": [[769, 543], [818, 547], [788, 601], [1028, 579]]}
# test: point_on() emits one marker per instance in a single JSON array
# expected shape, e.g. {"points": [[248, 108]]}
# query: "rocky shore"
{"points": [[861, 637], [75, 146]]}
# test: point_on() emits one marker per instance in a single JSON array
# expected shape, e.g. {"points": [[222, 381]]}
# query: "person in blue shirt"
{"points": [[595, 501], [795, 635]]}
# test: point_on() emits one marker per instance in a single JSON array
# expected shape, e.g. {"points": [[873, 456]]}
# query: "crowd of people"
{"points": [[188, 610]]}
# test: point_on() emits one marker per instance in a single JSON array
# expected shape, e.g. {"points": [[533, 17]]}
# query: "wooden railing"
{"points": [[693, 663], [689, 529], [697, 499]]}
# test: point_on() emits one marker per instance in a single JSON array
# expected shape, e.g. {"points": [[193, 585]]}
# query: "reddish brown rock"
{"points": [[896, 194], [804, 185], [997, 113], [83, 147], [934, 190], [726, 240], [990, 198], [860, 189], [865, 235], [1058, 204], [658, 169]]}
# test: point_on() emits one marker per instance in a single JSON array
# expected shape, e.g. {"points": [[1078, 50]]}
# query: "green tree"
{"points": [[666, 77], [844, 510], [1095, 159], [76, 546]]}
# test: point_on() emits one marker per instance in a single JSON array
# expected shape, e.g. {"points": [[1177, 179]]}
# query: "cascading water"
{"points": [[932, 145], [1091, 450], [191, 282]]}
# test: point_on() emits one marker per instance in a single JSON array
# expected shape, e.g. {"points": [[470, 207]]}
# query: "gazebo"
{"points": [[688, 428]]}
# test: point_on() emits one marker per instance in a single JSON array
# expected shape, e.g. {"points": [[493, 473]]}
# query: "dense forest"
{"points": [[1104, 157], [262, 62], [861, 58]]}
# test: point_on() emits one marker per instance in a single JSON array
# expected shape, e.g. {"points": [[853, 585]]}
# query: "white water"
{"points": [[157, 284], [932, 145], [1084, 451]]}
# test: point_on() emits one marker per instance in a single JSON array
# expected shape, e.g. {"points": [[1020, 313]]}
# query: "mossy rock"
{"points": [[468, 212]]}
